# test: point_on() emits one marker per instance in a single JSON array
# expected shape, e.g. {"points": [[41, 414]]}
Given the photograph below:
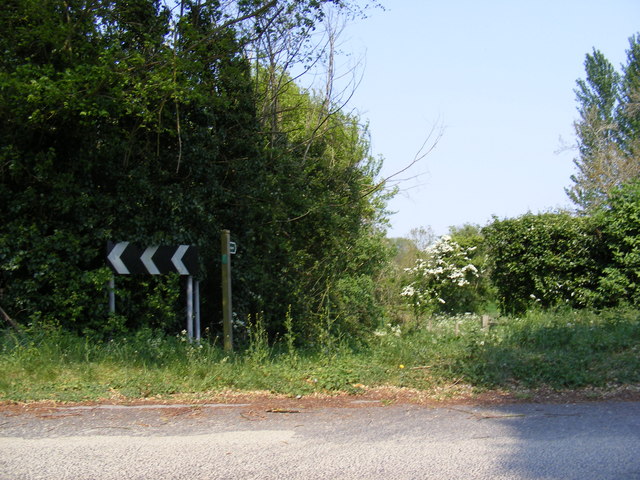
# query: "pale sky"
{"points": [[499, 77]]}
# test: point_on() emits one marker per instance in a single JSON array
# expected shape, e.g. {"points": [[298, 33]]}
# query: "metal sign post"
{"points": [[227, 308], [196, 300], [190, 307], [125, 258], [112, 295]]}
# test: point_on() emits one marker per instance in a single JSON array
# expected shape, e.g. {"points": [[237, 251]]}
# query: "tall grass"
{"points": [[560, 350]]}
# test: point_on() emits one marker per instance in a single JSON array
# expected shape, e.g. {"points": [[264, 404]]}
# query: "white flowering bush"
{"points": [[442, 281]]}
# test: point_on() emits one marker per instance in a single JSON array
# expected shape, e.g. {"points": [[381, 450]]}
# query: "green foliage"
{"points": [[555, 259], [481, 295], [324, 242], [621, 226], [571, 349], [258, 350], [608, 131], [441, 281], [549, 260], [289, 336], [94, 153], [545, 260], [123, 121], [628, 117], [405, 252]]}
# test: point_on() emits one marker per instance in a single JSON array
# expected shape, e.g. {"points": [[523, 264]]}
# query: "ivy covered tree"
{"points": [[126, 120], [109, 134]]}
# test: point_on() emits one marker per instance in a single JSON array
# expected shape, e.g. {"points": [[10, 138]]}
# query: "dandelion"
{"points": [[401, 366]]}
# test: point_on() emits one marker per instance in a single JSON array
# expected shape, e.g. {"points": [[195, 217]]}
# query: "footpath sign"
{"points": [[126, 258]]}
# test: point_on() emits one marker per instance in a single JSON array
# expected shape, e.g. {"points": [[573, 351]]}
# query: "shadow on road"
{"points": [[569, 441]]}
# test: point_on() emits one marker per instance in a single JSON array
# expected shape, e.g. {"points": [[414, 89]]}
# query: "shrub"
{"points": [[441, 281], [547, 260], [621, 224]]}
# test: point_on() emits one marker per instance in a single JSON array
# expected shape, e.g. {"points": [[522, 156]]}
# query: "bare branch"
{"points": [[429, 144], [10, 321]]}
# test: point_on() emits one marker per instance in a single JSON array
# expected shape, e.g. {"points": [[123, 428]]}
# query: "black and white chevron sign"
{"points": [[126, 259]]}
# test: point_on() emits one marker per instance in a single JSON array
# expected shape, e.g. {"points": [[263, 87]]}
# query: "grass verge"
{"points": [[566, 350]]}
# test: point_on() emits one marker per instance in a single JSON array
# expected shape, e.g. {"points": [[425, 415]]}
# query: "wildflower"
{"points": [[408, 291], [470, 268], [401, 366]]}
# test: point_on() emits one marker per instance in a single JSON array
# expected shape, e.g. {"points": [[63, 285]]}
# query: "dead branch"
{"points": [[10, 321]]}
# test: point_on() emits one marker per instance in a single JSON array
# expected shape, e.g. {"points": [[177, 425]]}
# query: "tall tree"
{"points": [[629, 105], [109, 134], [123, 120], [607, 130]]}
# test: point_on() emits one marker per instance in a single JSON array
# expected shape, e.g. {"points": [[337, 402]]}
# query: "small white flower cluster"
{"points": [[408, 291], [389, 329], [182, 336]]}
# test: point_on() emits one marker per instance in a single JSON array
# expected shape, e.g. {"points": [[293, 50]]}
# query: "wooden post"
{"points": [[486, 322], [227, 308]]}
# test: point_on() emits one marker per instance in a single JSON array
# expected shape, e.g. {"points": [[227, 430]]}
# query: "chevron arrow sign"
{"points": [[128, 259]]}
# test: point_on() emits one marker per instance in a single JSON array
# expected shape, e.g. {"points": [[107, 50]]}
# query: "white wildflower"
{"points": [[408, 291]]}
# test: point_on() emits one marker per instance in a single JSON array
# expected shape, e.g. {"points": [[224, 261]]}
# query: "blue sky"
{"points": [[498, 77]]}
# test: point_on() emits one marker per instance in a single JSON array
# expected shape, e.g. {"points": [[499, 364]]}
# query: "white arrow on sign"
{"points": [[116, 261], [177, 260], [147, 259]]}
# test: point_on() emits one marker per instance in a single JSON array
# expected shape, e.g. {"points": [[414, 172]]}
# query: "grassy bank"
{"points": [[573, 349]]}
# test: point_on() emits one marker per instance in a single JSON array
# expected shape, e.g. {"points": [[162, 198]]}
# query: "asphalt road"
{"points": [[525, 441]]}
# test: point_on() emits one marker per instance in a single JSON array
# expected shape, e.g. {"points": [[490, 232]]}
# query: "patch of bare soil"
{"points": [[263, 401]]}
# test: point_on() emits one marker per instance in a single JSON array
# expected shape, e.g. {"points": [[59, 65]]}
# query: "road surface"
{"points": [[364, 441]]}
